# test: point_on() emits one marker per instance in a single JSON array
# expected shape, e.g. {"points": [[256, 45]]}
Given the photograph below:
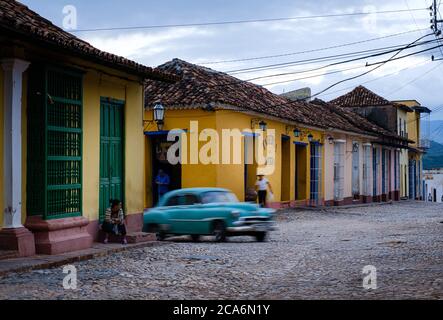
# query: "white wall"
{"points": [[434, 180]]}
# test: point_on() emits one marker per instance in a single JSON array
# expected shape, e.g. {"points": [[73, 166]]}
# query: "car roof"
{"points": [[196, 190]]}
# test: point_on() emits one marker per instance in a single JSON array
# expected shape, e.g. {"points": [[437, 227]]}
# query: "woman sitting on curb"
{"points": [[114, 221]]}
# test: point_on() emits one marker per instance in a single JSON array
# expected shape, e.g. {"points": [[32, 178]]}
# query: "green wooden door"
{"points": [[111, 152]]}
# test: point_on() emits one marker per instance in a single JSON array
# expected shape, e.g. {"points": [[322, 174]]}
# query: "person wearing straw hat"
{"points": [[262, 185]]}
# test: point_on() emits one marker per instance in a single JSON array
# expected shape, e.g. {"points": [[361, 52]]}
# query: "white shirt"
{"points": [[262, 184]]}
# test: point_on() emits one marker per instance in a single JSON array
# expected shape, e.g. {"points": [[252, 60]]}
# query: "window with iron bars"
{"points": [[54, 168]]}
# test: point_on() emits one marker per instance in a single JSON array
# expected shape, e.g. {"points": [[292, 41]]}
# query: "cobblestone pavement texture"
{"points": [[313, 255]]}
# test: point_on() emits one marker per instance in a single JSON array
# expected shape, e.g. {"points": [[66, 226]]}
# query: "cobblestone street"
{"points": [[313, 255]]}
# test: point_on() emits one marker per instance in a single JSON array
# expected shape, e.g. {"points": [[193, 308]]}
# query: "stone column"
{"points": [[14, 236]]}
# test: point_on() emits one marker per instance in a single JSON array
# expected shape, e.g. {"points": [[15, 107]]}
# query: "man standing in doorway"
{"points": [[162, 181], [262, 186]]}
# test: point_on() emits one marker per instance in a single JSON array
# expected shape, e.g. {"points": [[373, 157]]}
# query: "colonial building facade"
{"points": [[401, 117], [325, 154], [70, 135]]}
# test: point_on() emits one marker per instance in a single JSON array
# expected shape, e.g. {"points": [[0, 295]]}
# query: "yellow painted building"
{"points": [[235, 176], [421, 143], [321, 151], [71, 136]]}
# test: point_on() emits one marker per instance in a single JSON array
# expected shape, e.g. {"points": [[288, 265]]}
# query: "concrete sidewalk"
{"points": [[45, 261]]}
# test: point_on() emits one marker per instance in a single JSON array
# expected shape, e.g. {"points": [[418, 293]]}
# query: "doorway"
{"points": [[356, 170], [315, 183], [285, 168], [111, 153], [160, 146], [300, 171], [250, 168]]}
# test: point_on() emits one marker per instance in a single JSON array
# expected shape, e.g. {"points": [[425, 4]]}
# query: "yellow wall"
{"points": [[97, 85], [1, 148], [98, 82], [193, 175], [227, 176], [414, 127], [413, 122]]}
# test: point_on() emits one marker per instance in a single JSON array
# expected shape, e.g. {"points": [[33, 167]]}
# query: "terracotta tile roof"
{"points": [[359, 121], [18, 19], [363, 97], [360, 97], [201, 86]]}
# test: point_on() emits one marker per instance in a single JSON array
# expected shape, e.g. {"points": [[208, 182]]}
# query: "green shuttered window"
{"points": [[54, 187]]}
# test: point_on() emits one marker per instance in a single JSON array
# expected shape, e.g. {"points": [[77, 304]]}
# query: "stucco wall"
{"points": [[97, 85], [193, 175], [230, 176], [434, 181]]}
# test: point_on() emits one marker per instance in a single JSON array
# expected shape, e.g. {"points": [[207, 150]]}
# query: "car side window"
{"points": [[183, 200], [189, 200], [173, 201]]}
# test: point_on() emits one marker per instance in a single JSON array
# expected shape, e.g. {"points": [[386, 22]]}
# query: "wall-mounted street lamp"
{"points": [[330, 139], [310, 137], [297, 133], [159, 115], [263, 126], [355, 147]]}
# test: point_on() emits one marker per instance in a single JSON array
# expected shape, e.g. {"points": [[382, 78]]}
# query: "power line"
{"points": [[312, 50], [375, 68], [237, 81], [300, 62], [338, 63], [417, 78], [313, 76], [246, 21], [376, 79]]}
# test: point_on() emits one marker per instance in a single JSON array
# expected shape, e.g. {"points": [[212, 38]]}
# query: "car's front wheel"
{"points": [[261, 236], [219, 231]]}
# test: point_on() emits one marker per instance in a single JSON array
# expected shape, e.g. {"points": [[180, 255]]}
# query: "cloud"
{"points": [[140, 45]]}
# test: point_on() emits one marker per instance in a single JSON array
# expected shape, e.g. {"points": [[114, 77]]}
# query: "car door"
{"points": [[185, 215]]}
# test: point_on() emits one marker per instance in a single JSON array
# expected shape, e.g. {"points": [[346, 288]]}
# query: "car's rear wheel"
{"points": [[219, 231], [160, 235], [195, 237], [261, 236]]}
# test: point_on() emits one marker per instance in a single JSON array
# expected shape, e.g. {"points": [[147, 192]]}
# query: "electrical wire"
{"points": [[301, 62], [310, 51], [417, 78], [375, 68], [215, 23], [376, 79]]}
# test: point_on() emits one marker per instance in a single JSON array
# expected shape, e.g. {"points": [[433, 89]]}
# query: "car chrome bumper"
{"points": [[252, 228]]}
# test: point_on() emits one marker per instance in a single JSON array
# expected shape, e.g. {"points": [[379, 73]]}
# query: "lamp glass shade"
{"points": [[297, 133], [159, 112], [263, 125], [310, 137]]}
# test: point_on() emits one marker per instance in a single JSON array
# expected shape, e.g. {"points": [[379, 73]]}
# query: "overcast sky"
{"points": [[415, 77]]}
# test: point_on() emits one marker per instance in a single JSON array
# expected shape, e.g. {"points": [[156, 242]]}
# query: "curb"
{"points": [[63, 260], [323, 208]]}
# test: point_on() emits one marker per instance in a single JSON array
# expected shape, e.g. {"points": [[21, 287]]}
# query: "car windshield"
{"points": [[219, 197]]}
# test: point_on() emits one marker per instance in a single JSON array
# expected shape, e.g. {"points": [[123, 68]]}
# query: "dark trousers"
{"points": [[262, 197], [109, 228]]}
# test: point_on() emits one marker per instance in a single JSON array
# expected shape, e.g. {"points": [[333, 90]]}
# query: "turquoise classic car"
{"points": [[207, 211]]}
